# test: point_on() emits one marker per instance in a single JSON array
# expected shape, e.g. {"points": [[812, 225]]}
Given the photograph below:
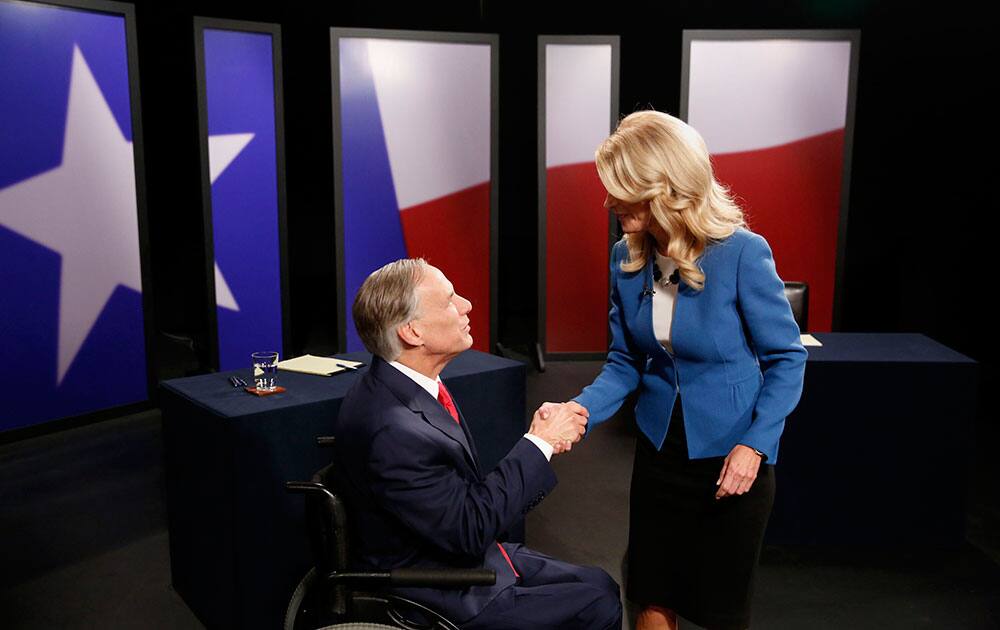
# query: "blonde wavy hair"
{"points": [[656, 158]]}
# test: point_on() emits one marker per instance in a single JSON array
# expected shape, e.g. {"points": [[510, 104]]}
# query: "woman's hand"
{"points": [[738, 471], [548, 408]]}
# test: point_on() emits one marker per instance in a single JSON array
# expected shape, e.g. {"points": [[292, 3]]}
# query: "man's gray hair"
{"points": [[386, 300]]}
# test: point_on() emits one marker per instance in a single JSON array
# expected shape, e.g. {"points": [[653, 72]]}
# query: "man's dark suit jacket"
{"points": [[415, 493]]}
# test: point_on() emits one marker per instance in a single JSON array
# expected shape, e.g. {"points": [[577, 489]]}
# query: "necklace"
{"points": [[674, 278]]}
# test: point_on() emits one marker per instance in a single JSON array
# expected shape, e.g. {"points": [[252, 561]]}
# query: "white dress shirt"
{"points": [[432, 386]]}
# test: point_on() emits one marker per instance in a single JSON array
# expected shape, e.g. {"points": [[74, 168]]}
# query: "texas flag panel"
{"points": [[415, 146], [240, 98], [577, 120], [773, 113], [71, 318]]}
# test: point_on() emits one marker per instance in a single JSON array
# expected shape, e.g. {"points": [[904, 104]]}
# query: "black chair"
{"points": [[798, 296], [181, 354], [332, 596]]}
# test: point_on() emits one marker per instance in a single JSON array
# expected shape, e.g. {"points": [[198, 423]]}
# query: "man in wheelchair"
{"points": [[408, 470]]}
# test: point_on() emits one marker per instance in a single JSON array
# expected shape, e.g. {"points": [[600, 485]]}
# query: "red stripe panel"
{"points": [[791, 194], [453, 234], [576, 260]]}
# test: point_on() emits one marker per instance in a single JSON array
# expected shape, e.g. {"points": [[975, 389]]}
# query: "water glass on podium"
{"points": [[265, 371]]}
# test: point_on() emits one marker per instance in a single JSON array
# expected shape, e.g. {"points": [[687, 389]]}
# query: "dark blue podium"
{"points": [[237, 539], [878, 450]]}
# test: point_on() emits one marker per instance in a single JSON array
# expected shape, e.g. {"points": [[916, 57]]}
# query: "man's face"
{"points": [[443, 315]]}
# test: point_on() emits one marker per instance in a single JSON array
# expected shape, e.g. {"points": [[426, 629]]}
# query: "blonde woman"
{"points": [[702, 330]]}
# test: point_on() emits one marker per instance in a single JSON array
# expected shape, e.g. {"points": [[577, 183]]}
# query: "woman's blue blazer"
{"points": [[737, 361]]}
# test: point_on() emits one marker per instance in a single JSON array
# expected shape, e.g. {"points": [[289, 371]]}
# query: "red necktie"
{"points": [[445, 399]]}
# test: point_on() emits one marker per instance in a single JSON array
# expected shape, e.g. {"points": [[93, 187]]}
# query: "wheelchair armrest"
{"points": [[304, 486], [450, 578], [438, 578]]}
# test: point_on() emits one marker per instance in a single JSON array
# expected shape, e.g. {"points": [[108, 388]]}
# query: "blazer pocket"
{"points": [[739, 365], [737, 374], [743, 395]]}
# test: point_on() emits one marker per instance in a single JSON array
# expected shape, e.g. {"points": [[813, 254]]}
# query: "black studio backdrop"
{"points": [[922, 215]]}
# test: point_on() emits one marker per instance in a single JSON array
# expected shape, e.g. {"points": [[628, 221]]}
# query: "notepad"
{"points": [[807, 340], [321, 366]]}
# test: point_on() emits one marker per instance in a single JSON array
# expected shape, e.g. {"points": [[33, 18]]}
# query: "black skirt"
{"points": [[688, 551]]}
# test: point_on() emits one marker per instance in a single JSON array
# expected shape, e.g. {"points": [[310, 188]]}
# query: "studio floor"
{"points": [[83, 537]]}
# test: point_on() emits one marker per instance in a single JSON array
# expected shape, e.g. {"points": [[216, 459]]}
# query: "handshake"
{"points": [[560, 424]]}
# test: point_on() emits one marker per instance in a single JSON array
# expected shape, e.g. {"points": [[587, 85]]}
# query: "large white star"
{"points": [[222, 150], [84, 209]]}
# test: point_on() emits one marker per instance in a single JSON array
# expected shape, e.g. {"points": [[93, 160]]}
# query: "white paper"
{"points": [[807, 340], [322, 366]]}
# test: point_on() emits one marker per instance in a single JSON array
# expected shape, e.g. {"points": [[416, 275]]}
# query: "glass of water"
{"points": [[265, 371]]}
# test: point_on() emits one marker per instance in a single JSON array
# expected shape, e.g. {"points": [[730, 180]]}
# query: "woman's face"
{"points": [[634, 217]]}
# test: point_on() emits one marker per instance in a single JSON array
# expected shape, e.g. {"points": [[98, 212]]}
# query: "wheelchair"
{"points": [[332, 596]]}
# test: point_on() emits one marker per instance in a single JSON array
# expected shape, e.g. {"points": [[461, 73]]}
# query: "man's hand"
{"points": [[738, 472], [560, 424]]}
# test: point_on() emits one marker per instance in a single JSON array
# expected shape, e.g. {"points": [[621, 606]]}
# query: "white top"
{"points": [[431, 386], [664, 302]]}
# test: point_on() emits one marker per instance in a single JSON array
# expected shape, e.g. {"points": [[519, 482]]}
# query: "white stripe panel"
{"points": [[434, 99], [746, 95], [577, 101]]}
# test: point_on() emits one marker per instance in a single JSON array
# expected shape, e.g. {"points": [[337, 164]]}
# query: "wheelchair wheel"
{"points": [[295, 609]]}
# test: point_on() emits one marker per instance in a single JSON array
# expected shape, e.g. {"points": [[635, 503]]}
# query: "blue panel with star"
{"points": [[71, 321], [239, 90]]}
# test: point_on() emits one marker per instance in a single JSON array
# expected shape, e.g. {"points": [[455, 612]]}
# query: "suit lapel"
{"points": [[469, 442], [419, 401]]}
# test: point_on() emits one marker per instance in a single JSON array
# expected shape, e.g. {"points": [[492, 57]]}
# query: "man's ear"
{"points": [[409, 333]]}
